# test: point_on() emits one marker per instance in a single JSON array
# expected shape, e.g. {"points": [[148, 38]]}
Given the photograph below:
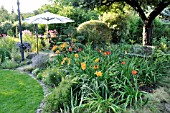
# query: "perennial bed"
{"points": [[101, 80]]}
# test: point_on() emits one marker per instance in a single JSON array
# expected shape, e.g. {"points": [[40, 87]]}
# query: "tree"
{"points": [[140, 6], [4, 14]]}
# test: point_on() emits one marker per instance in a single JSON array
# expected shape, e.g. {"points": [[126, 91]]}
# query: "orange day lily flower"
{"points": [[54, 47], [123, 63], [98, 73], [96, 67], [108, 52], [83, 65], [70, 49], [79, 49], [104, 53], [134, 72]]}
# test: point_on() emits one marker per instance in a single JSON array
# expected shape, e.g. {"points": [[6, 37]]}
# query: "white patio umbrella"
{"points": [[47, 18]]}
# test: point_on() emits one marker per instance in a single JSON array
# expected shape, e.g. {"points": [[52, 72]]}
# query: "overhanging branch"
{"points": [[162, 5], [135, 5]]}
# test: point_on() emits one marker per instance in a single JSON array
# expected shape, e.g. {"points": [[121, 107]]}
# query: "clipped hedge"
{"points": [[95, 32]]}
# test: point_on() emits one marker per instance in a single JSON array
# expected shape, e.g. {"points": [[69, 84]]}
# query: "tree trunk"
{"points": [[147, 33]]}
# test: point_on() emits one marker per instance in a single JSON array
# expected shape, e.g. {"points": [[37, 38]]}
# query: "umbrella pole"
{"points": [[47, 27]]}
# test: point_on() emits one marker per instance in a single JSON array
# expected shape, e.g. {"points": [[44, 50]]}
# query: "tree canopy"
{"points": [[140, 6], [4, 14]]}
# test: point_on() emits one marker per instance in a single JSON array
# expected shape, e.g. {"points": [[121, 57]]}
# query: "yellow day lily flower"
{"points": [[65, 58], [76, 55], [63, 45], [62, 62], [68, 62], [98, 73], [97, 60], [57, 52], [83, 65]]}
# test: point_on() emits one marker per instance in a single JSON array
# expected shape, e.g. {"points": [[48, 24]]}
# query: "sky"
{"points": [[25, 5]]}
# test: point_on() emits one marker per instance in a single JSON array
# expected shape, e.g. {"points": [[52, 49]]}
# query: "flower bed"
{"points": [[101, 80]]}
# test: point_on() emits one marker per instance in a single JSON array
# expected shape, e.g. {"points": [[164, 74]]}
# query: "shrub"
{"points": [[6, 26], [10, 33], [15, 54], [51, 76], [8, 43], [36, 71], [40, 60], [95, 31], [9, 64], [117, 23], [161, 33], [59, 98], [4, 53]]}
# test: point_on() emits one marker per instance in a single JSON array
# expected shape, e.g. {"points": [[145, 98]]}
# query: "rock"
{"points": [[31, 55], [167, 106], [39, 110]]}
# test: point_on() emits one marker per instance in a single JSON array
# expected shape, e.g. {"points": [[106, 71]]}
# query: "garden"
{"points": [[98, 64]]}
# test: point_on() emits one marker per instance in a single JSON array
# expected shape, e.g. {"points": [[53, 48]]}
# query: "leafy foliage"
{"points": [[5, 26], [60, 97], [4, 55], [4, 14]]}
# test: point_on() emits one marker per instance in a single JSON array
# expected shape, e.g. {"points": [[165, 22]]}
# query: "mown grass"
{"points": [[19, 93]]}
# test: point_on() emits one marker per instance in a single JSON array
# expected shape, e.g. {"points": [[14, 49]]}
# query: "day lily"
{"points": [[134, 72], [63, 45], [76, 55], [97, 60], [65, 59], [83, 65], [62, 62], [123, 63], [96, 67], [70, 49], [54, 47], [79, 49], [108, 52], [104, 53], [57, 52], [98, 73], [68, 62], [99, 51]]}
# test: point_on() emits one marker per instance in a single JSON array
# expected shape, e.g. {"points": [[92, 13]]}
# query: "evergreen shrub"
{"points": [[95, 32]]}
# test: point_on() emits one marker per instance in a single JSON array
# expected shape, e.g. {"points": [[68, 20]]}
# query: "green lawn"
{"points": [[19, 93]]}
